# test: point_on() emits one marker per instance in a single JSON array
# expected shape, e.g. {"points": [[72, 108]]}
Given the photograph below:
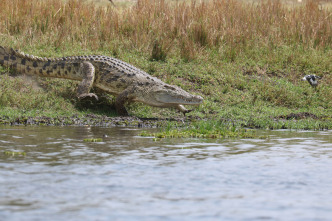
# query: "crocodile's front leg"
{"points": [[88, 72], [124, 97]]}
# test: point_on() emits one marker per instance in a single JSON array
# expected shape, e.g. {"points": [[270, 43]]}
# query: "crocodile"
{"points": [[118, 78]]}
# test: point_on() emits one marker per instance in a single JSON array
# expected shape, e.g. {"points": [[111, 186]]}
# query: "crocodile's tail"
{"points": [[10, 59], [6, 51], [32, 65]]}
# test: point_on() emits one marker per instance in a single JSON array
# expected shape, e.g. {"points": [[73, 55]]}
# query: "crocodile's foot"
{"points": [[186, 111], [182, 109], [121, 110], [81, 96], [124, 114]]}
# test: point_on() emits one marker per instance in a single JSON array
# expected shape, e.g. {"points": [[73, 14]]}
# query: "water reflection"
{"points": [[125, 177]]}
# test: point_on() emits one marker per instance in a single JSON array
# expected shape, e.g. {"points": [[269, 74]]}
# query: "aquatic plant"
{"points": [[204, 129], [14, 153], [93, 140]]}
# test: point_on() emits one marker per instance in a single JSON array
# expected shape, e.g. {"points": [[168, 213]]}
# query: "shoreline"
{"points": [[293, 121]]}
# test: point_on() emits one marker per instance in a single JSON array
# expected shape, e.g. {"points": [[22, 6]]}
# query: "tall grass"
{"points": [[160, 28]]}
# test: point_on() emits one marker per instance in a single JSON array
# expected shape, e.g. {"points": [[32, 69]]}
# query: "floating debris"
{"points": [[93, 140], [14, 153]]}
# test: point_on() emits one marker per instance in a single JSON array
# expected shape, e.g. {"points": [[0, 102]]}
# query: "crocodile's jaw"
{"points": [[175, 99], [168, 96]]}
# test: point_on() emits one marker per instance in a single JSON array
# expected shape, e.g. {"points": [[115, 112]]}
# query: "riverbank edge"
{"points": [[299, 121], [89, 120]]}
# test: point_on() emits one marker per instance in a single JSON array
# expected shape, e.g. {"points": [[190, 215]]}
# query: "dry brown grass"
{"points": [[181, 27]]}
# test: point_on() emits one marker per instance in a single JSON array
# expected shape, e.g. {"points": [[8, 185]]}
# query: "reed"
{"points": [[183, 28]]}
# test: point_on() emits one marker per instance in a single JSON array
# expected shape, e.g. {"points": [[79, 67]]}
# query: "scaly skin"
{"points": [[127, 83]]}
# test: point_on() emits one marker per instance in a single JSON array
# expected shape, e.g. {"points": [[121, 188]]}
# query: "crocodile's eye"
{"points": [[169, 87]]}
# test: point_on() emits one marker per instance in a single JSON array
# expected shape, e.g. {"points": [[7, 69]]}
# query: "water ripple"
{"points": [[126, 177]]}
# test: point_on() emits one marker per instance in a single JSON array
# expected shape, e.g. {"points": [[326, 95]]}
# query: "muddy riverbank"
{"points": [[302, 120], [93, 120]]}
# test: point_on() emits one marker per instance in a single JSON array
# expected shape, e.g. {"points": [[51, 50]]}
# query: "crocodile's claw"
{"points": [[88, 95]]}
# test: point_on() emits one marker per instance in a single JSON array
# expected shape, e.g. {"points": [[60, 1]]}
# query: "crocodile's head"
{"points": [[164, 95]]}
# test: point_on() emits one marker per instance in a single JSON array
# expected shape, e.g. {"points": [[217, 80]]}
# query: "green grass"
{"points": [[93, 140], [215, 129], [14, 153], [249, 75]]}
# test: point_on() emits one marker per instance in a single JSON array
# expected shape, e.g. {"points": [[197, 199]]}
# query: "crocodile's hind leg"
{"points": [[88, 72], [120, 101]]}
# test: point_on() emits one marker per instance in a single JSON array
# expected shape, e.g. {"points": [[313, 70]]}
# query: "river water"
{"points": [[126, 177]]}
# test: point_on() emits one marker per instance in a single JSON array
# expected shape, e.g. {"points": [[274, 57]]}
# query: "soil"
{"points": [[93, 120]]}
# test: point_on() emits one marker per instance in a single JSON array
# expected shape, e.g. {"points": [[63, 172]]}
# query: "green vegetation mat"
{"points": [[245, 59], [203, 129]]}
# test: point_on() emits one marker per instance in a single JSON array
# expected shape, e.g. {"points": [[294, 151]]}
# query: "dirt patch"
{"points": [[298, 116], [93, 120], [262, 71]]}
